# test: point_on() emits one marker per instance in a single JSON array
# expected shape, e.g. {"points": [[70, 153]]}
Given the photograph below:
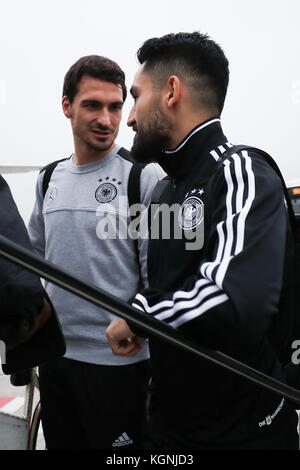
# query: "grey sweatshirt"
{"points": [[75, 228]]}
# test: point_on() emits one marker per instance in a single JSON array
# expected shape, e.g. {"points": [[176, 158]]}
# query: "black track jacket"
{"points": [[223, 294]]}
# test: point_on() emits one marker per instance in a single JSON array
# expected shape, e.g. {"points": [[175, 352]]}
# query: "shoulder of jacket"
{"points": [[243, 155], [245, 164]]}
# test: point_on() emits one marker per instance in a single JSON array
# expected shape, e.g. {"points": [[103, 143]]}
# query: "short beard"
{"points": [[97, 147], [152, 137]]}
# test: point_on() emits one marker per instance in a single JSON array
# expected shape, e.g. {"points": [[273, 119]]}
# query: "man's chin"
{"points": [[99, 146]]}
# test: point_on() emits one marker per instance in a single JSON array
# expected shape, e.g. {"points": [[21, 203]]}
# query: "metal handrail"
{"points": [[25, 258]]}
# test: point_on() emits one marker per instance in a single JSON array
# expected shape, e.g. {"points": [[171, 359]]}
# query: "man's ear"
{"points": [[173, 90], [66, 106]]}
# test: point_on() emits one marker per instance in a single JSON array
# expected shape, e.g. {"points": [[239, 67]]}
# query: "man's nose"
{"points": [[103, 118], [131, 118]]}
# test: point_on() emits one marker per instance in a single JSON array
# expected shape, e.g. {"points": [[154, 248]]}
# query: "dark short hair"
{"points": [[93, 66], [195, 58]]}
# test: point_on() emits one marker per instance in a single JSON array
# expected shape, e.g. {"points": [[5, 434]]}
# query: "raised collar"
{"points": [[191, 151]]}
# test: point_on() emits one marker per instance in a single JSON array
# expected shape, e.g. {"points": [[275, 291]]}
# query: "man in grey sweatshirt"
{"points": [[91, 399]]}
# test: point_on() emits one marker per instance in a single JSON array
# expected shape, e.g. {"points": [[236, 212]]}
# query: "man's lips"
{"points": [[101, 133]]}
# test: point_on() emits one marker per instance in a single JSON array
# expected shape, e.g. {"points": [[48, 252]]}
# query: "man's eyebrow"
{"points": [[89, 101], [117, 103]]}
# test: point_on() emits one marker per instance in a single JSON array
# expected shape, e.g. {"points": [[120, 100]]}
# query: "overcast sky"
{"points": [[40, 40]]}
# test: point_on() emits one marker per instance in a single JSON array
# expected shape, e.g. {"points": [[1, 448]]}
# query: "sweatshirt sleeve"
{"points": [[36, 227], [229, 302]]}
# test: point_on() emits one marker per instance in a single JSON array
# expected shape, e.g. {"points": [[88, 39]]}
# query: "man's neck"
{"points": [[184, 127], [83, 156]]}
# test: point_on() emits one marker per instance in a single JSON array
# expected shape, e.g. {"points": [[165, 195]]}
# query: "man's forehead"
{"points": [[141, 79], [92, 84]]}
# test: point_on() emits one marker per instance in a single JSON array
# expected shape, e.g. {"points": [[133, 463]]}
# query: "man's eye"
{"points": [[91, 105], [116, 107]]}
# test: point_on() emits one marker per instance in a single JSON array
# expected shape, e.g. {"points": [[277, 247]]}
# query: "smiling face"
{"points": [[95, 115], [148, 120]]}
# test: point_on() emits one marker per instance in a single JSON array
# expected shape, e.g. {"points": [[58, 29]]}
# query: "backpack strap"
{"points": [[48, 173], [134, 196], [274, 166], [134, 183], [159, 189], [134, 189]]}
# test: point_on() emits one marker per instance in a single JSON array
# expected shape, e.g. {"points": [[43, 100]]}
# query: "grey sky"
{"points": [[41, 39]]}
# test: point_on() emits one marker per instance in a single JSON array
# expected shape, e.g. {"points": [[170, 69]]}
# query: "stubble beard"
{"points": [[101, 147], [152, 137]]}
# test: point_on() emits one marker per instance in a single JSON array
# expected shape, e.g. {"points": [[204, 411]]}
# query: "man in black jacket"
{"points": [[224, 289], [28, 325]]}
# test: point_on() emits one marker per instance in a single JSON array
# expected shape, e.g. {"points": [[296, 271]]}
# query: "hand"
{"points": [[122, 340]]}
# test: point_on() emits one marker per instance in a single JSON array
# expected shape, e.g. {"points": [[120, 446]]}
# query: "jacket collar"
{"points": [[194, 149]]}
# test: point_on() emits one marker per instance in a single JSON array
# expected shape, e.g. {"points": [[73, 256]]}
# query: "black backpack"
{"points": [[285, 328]]}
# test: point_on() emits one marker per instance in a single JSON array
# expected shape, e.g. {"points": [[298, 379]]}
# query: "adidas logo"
{"points": [[122, 440]]}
